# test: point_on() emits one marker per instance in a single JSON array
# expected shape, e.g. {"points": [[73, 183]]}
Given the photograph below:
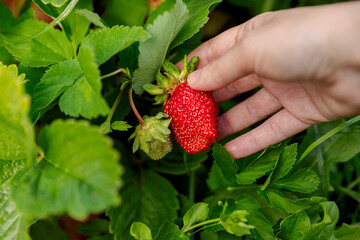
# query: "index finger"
{"points": [[217, 46]]}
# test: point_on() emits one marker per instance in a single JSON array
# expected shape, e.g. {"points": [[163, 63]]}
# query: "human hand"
{"points": [[306, 59]]}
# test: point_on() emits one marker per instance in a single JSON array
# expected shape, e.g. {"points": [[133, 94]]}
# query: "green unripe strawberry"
{"points": [[153, 136]]}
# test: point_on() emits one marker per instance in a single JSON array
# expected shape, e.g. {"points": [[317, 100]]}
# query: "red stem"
{"points": [[134, 108]]}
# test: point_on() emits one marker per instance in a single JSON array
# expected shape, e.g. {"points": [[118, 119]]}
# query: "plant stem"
{"points": [[113, 108], [55, 22], [201, 224], [114, 73], [192, 179], [350, 193], [242, 187], [186, 163], [141, 121], [321, 166], [354, 183], [200, 229], [328, 135]]}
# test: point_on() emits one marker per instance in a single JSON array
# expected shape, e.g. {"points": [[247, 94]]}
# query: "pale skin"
{"points": [[306, 59]]}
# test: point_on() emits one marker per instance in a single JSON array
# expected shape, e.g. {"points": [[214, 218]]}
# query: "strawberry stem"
{"points": [[116, 103], [192, 179], [115, 72], [141, 121]]}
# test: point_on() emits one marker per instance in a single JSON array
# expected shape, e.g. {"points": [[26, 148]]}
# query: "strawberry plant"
{"points": [[87, 153]]}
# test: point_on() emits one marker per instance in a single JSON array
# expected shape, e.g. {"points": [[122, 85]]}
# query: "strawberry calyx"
{"points": [[169, 78], [153, 136]]}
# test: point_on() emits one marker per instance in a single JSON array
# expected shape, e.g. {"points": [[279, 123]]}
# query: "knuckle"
{"points": [[277, 130], [234, 88], [209, 46], [216, 72], [226, 124], [255, 143], [253, 110]]}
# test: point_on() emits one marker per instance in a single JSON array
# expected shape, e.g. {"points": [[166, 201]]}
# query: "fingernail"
{"points": [[193, 78]]}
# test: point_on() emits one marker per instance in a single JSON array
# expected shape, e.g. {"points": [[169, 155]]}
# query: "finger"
{"points": [[257, 107], [217, 46], [240, 86], [276, 129], [234, 64]]}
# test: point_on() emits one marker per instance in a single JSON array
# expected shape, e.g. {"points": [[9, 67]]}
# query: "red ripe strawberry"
{"points": [[193, 118], [193, 113]]}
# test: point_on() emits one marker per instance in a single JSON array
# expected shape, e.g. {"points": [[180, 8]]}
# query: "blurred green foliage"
{"points": [[256, 7]]}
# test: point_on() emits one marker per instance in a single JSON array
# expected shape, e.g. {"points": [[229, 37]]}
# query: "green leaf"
{"points": [[33, 76], [48, 8], [8, 168], [147, 198], [6, 57], [16, 132], [175, 165], [84, 97], [16, 145], [153, 51], [346, 232], [259, 167], [140, 231], [225, 162], [342, 141], [217, 210], [95, 227], [159, 10], [78, 163], [74, 25], [295, 227], [235, 222], [263, 228], [185, 204], [124, 12], [56, 3], [48, 229], [324, 228], [55, 82], [6, 18], [222, 235], [198, 11], [12, 224], [169, 231], [103, 237], [94, 18], [277, 200], [343, 146], [47, 49], [286, 161], [80, 82], [215, 178], [120, 126], [128, 58], [283, 165], [186, 48], [197, 213], [107, 42], [304, 181]]}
